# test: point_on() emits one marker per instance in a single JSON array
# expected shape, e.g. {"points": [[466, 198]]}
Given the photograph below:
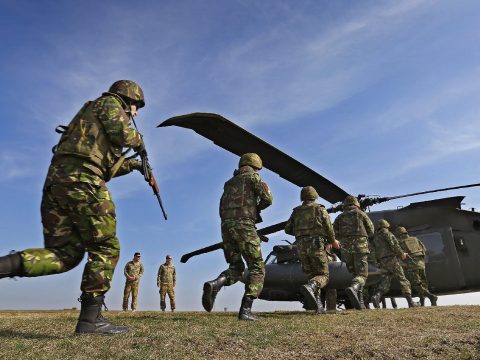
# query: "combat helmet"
{"points": [[251, 159], [351, 200], [130, 90], [308, 193], [382, 223], [401, 231]]}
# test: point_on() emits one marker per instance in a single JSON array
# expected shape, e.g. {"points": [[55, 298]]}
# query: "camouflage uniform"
{"points": [[311, 226], [415, 268], [135, 270], [78, 213], [166, 281], [353, 228], [244, 196], [387, 251]]}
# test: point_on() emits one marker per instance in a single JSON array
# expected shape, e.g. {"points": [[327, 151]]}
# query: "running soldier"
{"points": [[388, 251], [313, 231], [353, 228], [415, 266], [244, 196], [78, 214]]}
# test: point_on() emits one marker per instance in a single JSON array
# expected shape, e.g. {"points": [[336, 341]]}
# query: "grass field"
{"points": [[424, 333]]}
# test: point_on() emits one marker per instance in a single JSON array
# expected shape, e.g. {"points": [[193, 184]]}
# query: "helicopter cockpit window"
{"points": [[435, 247]]}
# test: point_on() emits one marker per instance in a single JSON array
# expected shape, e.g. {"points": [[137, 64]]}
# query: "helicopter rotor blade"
{"points": [[237, 140]]}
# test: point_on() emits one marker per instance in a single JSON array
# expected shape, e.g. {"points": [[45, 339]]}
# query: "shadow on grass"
{"points": [[25, 335]]}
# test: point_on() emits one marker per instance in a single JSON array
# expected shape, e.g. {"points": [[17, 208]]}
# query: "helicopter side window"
{"points": [[435, 247]]}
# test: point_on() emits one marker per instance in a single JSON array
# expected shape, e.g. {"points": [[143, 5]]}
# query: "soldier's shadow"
{"points": [[5, 333]]}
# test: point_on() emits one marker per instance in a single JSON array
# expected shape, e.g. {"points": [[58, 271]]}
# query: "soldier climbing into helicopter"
{"points": [[313, 231]]}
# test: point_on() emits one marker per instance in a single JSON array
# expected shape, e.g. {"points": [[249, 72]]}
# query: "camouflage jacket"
{"points": [[353, 227], [166, 274], [93, 143], [244, 196], [412, 245], [386, 244], [310, 219], [133, 269]]}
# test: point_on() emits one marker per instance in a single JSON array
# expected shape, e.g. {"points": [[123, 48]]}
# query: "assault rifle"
{"points": [[409, 258], [148, 174]]}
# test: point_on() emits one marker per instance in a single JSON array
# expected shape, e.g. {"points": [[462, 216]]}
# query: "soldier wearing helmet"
{"points": [[353, 228], [313, 231], [415, 268], [78, 214], [388, 251], [244, 196], [166, 281]]}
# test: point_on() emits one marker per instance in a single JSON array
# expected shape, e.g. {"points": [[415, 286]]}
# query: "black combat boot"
{"points": [[11, 265], [245, 312], [210, 290], [410, 301], [353, 293], [320, 308], [433, 299], [422, 301], [309, 293], [376, 299], [91, 320]]}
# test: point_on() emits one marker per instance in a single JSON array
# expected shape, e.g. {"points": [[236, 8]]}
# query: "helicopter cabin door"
{"points": [[444, 272]]}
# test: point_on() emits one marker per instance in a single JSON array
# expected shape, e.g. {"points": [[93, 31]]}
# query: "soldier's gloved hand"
{"points": [[136, 165], [403, 256]]}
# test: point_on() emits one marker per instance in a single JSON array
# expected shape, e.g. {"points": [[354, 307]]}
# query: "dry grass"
{"points": [[425, 333]]}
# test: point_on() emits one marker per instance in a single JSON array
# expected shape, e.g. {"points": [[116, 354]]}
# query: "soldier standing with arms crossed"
{"points": [[244, 196], [133, 272], [388, 251], [311, 226], [166, 281], [78, 214], [353, 228], [415, 267]]}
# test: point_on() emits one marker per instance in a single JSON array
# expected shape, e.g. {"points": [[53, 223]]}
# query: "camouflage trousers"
{"points": [[395, 271], [131, 287], [357, 265], [164, 290], [313, 257], [240, 240], [76, 218], [417, 277]]}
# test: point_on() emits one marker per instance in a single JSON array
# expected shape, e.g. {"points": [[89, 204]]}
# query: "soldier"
{"points": [[133, 272], [353, 228], [244, 196], [415, 267], [388, 250], [311, 226], [166, 281], [78, 213]]}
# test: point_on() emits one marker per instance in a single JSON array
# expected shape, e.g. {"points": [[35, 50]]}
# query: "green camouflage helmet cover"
{"points": [[382, 223], [400, 231], [129, 89], [251, 159], [308, 193], [351, 200]]}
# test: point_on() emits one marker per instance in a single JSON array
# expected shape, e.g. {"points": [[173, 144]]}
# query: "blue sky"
{"points": [[380, 97]]}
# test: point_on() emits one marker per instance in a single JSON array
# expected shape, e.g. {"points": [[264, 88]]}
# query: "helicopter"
{"points": [[451, 234]]}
